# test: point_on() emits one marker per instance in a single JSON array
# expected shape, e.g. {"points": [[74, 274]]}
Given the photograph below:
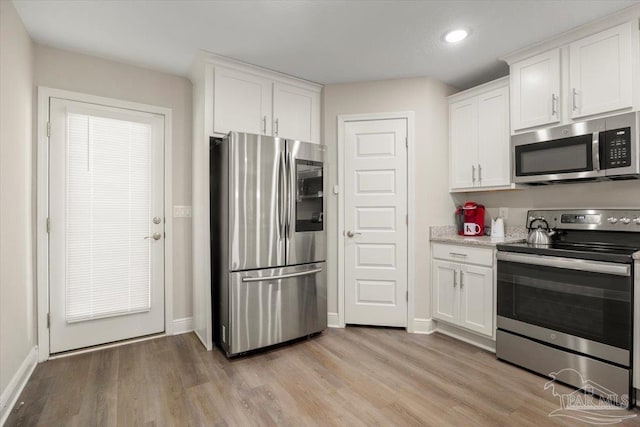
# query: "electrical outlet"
{"points": [[503, 212], [182, 211]]}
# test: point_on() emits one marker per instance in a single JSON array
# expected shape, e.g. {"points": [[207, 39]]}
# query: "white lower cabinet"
{"points": [[462, 291]]}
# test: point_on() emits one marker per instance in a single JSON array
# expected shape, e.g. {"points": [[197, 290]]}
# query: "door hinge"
{"points": [[48, 129], [48, 225], [406, 142], [406, 219], [48, 320], [407, 295]]}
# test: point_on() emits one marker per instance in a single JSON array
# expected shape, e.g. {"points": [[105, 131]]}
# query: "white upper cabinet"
{"points": [[463, 140], [493, 138], [479, 138], [535, 91], [600, 72], [582, 73], [247, 100], [296, 113], [241, 102]]}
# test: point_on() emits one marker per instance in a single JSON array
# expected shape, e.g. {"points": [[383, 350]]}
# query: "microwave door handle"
{"points": [[595, 151]]}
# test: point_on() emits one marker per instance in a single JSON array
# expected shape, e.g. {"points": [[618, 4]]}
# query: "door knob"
{"points": [[351, 233], [154, 236]]}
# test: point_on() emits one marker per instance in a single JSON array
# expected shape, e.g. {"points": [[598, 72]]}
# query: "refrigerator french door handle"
{"points": [[282, 276], [282, 190], [290, 193]]}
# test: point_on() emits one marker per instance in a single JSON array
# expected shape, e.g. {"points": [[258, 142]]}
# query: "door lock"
{"points": [[157, 220]]}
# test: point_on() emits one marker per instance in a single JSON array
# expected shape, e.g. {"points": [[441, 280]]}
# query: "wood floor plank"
{"points": [[345, 377]]}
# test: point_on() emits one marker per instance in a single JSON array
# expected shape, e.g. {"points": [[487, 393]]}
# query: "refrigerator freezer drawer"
{"points": [[275, 305]]}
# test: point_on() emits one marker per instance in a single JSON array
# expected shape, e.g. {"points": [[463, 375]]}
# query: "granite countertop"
{"points": [[449, 234]]}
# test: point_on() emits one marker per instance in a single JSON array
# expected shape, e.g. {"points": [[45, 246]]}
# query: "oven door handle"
{"points": [[567, 263]]}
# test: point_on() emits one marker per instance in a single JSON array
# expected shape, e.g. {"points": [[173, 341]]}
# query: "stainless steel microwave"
{"points": [[599, 149]]}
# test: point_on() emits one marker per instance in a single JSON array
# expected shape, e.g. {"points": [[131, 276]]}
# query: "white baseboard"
{"points": [[182, 326], [333, 320], [484, 343], [10, 395], [422, 326]]}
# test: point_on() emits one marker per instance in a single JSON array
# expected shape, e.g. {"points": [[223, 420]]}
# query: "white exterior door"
{"points": [[106, 240], [375, 196]]}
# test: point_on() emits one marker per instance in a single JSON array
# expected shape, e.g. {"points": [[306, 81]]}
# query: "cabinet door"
{"points": [[535, 86], [476, 299], [445, 291], [296, 113], [600, 72], [463, 140], [494, 167], [241, 102]]}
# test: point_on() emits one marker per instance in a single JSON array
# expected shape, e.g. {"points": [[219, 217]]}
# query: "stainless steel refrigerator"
{"points": [[268, 241]]}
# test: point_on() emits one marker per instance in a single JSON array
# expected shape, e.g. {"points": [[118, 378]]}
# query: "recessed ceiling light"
{"points": [[455, 36]]}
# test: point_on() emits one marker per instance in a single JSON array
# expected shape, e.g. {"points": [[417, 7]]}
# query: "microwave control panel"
{"points": [[617, 148]]}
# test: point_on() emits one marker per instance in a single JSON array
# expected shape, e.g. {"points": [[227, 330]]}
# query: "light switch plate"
{"points": [[504, 213], [182, 211]]}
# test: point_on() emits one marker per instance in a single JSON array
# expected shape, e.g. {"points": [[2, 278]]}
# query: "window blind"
{"points": [[108, 214]]}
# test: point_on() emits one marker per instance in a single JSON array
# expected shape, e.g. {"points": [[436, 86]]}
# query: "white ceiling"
{"points": [[323, 41]]}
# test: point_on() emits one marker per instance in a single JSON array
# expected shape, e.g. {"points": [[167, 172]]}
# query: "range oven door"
{"points": [[584, 306]]}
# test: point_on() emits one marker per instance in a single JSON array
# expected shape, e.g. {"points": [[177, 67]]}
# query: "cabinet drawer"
{"points": [[466, 254]]}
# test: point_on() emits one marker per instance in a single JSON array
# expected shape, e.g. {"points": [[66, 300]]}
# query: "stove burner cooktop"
{"points": [[600, 235]]}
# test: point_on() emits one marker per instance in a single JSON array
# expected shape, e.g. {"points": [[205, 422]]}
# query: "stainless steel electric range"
{"points": [[568, 305]]}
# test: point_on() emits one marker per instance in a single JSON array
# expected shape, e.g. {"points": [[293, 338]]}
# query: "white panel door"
{"points": [[463, 136], [241, 102], [106, 245], [476, 304], [494, 167], [600, 72], [444, 279], [295, 113], [535, 91], [375, 191]]}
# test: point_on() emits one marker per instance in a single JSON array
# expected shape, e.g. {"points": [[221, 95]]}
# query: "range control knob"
{"points": [[612, 220], [637, 220], [625, 220]]}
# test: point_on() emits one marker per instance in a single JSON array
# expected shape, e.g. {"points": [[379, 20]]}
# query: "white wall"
{"points": [[61, 69], [427, 98], [17, 287], [620, 194]]}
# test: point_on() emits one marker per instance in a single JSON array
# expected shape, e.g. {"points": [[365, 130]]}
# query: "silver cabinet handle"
{"points": [[479, 173], [574, 94], [264, 124], [457, 254], [554, 105], [351, 233], [454, 278], [154, 236], [473, 174], [277, 127], [282, 276], [461, 284]]}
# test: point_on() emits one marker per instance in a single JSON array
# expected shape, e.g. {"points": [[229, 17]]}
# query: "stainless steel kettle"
{"points": [[540, 236]]}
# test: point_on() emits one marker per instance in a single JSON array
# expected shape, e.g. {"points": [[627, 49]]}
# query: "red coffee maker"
{"points": [[472, 219]]}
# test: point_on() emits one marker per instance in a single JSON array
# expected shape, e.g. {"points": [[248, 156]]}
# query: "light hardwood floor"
{"points": [[347, 377]]}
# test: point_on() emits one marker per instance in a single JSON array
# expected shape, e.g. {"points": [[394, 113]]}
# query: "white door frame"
{"points": [[342, 120], [42, 204]]}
